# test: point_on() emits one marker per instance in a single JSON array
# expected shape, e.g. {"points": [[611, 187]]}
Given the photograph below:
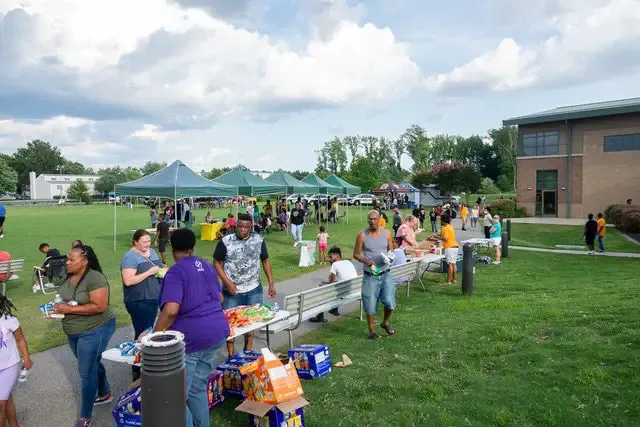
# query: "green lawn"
{"points": [[547, 236], [545, 340], [490, 197], [27, 227]]}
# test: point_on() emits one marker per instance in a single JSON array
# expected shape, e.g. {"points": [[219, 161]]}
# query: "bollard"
{"points": [[163, 380], [509, 229], [467, 269], [505, 245]]}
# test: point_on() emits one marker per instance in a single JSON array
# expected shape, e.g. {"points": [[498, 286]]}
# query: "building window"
{"points": [[540, 144], [622, 143], [546, 180]]}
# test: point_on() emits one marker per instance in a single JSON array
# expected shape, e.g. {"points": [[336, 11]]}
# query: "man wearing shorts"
{"points": [[450, 245], [162, 238], [237, 260], [496, 237], [372, 245], [3, 214]]}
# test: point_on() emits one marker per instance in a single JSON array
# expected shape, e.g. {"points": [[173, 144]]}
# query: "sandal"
{"points": [[374, 336], [388, 329]]}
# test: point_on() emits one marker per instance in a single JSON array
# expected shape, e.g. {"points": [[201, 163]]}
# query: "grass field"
{"points": [[27, 227], [545, 340], [545, 236]]}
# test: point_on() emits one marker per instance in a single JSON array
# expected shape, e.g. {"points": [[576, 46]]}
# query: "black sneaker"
{"points": [[318, 319], [335, 312], [103, 400]]}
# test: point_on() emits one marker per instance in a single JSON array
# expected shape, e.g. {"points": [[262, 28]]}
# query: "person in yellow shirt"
{"points": [[602, 230], [448, 238], [464, 212]]}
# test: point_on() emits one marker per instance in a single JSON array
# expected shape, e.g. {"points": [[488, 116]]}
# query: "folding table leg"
{"points": [[361, 311], [268, 339]]}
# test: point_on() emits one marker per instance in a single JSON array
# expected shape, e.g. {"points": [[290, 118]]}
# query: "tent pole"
{"points": [[115, 217]]}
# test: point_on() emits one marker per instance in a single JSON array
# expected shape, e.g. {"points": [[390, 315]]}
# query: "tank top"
{"points": [[374, 247]]}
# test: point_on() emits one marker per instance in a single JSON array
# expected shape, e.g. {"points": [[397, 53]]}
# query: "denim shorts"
{"points": [[254, 296], [378, 289]]}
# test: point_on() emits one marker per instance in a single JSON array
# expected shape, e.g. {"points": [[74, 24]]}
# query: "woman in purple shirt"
{"points": [[191, 303]]}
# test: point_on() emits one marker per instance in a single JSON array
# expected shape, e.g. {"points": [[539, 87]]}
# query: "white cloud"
{"points": [[167, 61], [591, 41], [153, 133], [208, 158]]}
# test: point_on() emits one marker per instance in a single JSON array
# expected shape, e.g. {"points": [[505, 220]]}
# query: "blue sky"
{"points": [[264, 83]]}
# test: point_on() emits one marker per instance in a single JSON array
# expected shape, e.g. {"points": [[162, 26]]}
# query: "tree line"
{"points": [[368, 161]]}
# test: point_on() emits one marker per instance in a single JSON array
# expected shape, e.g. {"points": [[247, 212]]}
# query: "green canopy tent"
{"points": [[176, 181], [347, 188], [323, 188], [291, 184], [248, 184]]}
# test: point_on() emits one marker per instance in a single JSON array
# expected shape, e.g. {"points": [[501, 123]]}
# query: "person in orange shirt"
{"points": [[450, 245], [464, 213], [602, 230]]}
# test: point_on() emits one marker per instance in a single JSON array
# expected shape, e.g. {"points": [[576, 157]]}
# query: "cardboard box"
{"points": [[311, 360], [232, 376], [127, 411], [215, 389], [270, 381], [287, 414]]}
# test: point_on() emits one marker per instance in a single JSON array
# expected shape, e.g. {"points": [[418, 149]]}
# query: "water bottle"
{"points": [[276, 306], [24, 373], [58, 299]]}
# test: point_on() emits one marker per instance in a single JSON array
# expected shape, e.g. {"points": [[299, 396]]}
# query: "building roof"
{"points": [[57, 178], [583, 111]]}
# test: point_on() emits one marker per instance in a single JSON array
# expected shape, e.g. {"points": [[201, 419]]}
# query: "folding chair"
{"points": [[57, 266]]}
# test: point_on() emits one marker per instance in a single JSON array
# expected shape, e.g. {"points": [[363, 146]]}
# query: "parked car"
{"points": [[312, 198], [343, 199], [362, 199], [294, 197], [7, 196]]}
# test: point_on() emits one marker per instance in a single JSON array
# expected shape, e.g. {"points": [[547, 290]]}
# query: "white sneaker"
{"points": [[14, 277], [496, 262]]}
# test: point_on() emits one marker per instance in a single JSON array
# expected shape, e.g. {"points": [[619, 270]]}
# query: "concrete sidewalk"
{"points": [[51, 396]]}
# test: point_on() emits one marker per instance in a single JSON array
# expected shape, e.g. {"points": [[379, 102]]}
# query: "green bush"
{"points": [[625, 213], [615, 215], [608, 213], [520, 213], [631, 222], [506, 207]]}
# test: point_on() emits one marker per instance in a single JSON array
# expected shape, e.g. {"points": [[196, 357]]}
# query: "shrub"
{"points": [[520, 213], [625, 212], [608, 213], [504, 207], [487, 186], [631, 222], [614, 214]]}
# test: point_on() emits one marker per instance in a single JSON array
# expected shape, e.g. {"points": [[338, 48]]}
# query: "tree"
{"points": [[216, 172], [74, 168], [8, 177], [332, 157], [39, 157], [505, 141], [451, 177], [151, 167], [399, 146], [352, 143], [79, 191], [298, 174], [504, 184], [487, 186], [109, 177], [365, 173], [416, 143], [443, 148]]}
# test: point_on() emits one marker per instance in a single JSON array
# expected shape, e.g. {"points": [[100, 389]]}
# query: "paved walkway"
{"points": [[572, 252], [51, 395], [548, 221]]}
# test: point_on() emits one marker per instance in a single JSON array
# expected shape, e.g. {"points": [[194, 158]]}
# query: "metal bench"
{"points": [[307, 304], [7, 269], [406, 273]]}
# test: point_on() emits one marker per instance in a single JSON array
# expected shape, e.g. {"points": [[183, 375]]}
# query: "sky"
{"points": [[265, 82]]}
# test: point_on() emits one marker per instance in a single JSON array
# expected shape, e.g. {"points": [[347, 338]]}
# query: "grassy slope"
{"points": [[545, 236], [545, 340]]}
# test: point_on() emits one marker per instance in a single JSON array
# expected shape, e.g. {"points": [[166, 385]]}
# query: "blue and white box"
{"points": [[311, 360]]}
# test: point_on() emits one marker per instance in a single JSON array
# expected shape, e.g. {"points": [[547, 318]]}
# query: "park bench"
{"points": [[304, 305], [307, 304], [7, 269]]}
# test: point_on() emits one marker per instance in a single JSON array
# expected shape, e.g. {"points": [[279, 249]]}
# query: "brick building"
{"points": [[578, 159]]}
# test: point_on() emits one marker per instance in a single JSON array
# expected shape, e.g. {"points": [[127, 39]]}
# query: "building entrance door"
{"points": [[549, 203]]}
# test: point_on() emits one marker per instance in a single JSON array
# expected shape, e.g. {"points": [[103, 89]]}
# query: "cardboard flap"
{"points": [[292, 405], [254, 408], [268, 355]]}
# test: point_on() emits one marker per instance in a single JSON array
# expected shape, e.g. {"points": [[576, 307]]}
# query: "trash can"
{"points": [[307, 251]]}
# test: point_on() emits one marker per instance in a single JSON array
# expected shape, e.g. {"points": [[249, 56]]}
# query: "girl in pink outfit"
{"points": [[322, 237], [11, 339], [407, 233]]}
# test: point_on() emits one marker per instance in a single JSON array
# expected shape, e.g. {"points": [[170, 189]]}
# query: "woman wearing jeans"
{"points": [[191, 302], [88, 324], [141, 286]]}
